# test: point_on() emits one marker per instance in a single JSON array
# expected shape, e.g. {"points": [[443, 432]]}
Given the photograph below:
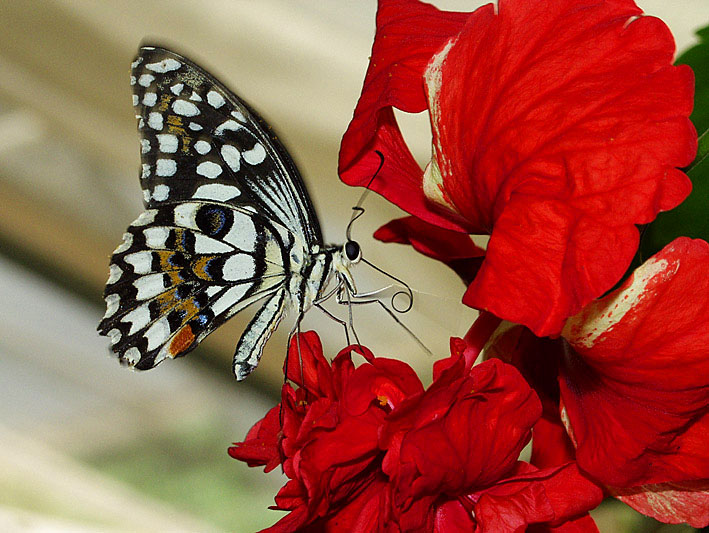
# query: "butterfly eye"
{"points": [[353, 251]]}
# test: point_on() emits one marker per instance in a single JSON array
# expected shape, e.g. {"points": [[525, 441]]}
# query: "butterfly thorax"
{"points": [[312, 281]]}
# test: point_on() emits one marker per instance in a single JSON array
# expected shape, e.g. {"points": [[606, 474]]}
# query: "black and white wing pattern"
{"points": [[228, 220]]}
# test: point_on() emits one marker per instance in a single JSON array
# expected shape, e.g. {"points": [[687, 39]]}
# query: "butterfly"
{"points": [[228, 223]]}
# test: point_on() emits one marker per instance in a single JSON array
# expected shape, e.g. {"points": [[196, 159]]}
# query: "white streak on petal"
{"points": [[601, 316]]}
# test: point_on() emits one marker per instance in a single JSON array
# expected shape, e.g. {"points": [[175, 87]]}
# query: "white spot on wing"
{"points": [[216, 191], [231, 297], [114, 274], [209, 169], [125, 245], [132, 355], [242, 234], [194, 126], [149, 286], [155, 121], [232, 157], [168, 143], [158, 333], [185, 108], [135, 100], [202, 147], [144, 146], [212, 290], [112, 303], [132, 80], [207, 245], [166, 167], [145, 171], [150, 99], [145, 80], [146, 217], [161, 192], [239, 116], [166, 65], [115, 336], [238, 267], [177, 88], [140, 261], [215, 99], [256, 155], [195, 97], [156, 237], [185, 215], [229, 125], [138, 318]]}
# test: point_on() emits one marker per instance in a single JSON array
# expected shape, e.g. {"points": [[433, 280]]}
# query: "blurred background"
{"points": [[86, 445]]}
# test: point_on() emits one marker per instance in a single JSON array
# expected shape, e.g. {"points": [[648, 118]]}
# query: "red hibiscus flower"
{"points": [[452, 456], [556, 128], [367, 449], [633, 386], [328, 440]]}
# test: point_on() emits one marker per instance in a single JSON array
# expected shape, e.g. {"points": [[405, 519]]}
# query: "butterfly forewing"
{"points": [[199, 140], [228, 220]]}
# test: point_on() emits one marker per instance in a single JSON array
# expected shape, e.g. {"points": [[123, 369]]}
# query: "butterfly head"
{"points": [[352, 251]]}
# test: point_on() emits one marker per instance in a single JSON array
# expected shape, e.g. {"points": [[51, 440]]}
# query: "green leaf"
{"points": [[691, 218]]}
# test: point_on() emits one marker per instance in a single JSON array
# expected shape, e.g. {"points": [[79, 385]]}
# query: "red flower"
{"points": [[556, 129], [633, 386], [367, 449], [328, 445], [452, 456]]}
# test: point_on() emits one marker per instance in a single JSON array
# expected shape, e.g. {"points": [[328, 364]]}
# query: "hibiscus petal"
{"points": [[306, 365], [552, 496], [635, 382], [260, 448], [408, 33], [564, 132], [455, 249], [465, 433], [543, 262], [672, 503]]}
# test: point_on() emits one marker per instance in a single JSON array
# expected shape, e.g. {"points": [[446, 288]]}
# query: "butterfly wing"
{"points": [[227, 223]]}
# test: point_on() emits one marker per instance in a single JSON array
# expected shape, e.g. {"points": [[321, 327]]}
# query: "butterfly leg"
{"points": [[338, 320]]}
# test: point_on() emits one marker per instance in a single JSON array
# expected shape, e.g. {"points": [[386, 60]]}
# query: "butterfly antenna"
{"points": [[358, 210]]}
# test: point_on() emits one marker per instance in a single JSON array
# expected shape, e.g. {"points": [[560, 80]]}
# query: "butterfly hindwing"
{"points": [[179, 274]]}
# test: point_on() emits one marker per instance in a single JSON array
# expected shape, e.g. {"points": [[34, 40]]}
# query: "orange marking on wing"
{"points": [[165, 256], [167, 300], [164, 102], [175, 126], [182, 341], [199, 267], [175, 277]]}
